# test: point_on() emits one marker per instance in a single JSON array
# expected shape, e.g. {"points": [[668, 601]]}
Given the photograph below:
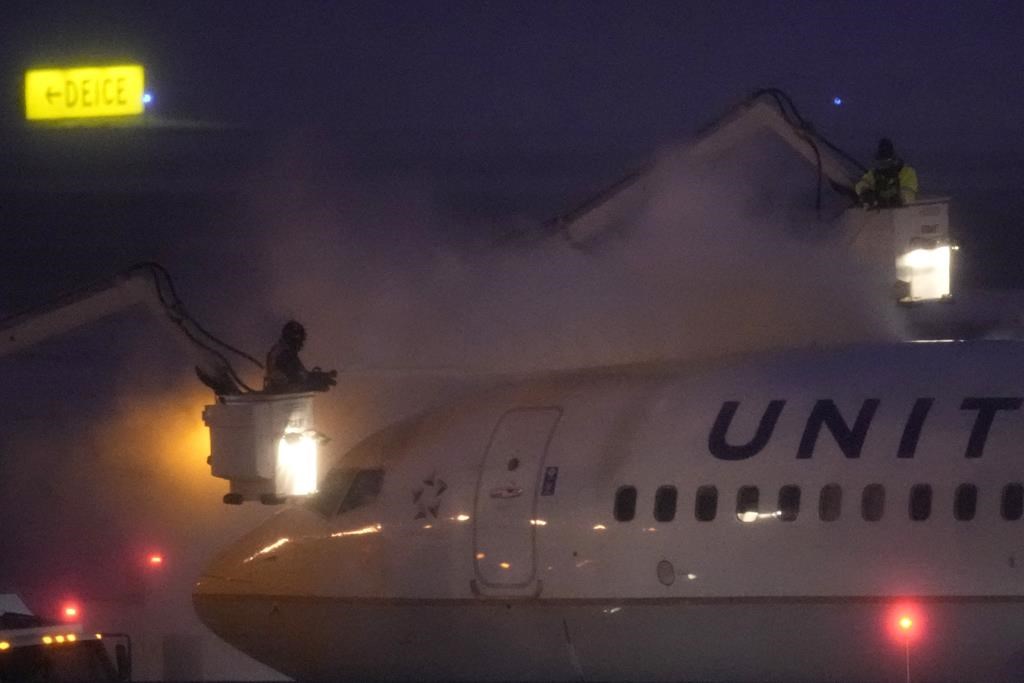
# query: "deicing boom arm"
{"points": [[147, 283]]}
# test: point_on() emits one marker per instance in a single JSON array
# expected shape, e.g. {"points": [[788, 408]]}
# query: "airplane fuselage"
{"points": [[760, 518]]}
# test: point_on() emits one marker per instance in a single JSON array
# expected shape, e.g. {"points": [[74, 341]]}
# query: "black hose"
{"points": [[806, 131], [177, 314], [176, 304], [782, 99]]}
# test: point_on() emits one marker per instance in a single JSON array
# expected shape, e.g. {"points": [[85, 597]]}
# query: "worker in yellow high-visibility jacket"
{"points": [[890, 183]]}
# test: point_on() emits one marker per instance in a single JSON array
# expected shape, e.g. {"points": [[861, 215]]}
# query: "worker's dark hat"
{"points": [[293, 330], [885, 149]]}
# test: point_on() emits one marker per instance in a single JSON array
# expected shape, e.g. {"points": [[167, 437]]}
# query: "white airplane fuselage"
{"points": [[492, 539]]}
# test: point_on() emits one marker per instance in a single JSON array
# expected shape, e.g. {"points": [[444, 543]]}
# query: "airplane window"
{"points": [[346, 488], [920, 502], [707, 503], [365, 488], [872, 502], [1013, 501], [830, 503], [625, 503], [332, 490], [966, 502], [746, 503], [665, 503], [789, 503]]}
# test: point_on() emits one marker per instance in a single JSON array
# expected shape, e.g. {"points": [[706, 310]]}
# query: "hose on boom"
{"points": [[806, 131], [176, 312]]}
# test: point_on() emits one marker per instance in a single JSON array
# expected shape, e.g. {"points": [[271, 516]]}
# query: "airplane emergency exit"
{"points": [[767, 517]]}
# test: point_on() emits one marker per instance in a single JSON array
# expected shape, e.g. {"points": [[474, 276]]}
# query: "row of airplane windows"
{"points": [[830, 502]]}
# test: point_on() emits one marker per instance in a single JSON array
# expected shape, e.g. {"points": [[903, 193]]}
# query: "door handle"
{"points": [[506, 492]]}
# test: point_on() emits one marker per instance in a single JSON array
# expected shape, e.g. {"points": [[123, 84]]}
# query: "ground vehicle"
{"points": [[34, 649]]}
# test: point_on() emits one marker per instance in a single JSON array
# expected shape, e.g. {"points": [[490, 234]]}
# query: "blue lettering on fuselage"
{"points": [[850, 439]]}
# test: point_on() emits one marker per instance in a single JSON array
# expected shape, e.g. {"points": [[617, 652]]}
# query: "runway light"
{"points": [[47, 640], [70, 612], [155, 560], [147, 98], [504, 565], [99, 636], [906, 623], [59, 639], [72, 637], [4, 645], [838, 101]]}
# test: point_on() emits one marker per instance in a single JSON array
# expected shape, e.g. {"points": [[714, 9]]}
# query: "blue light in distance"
{"points": [[147, 97], [837, 100]]}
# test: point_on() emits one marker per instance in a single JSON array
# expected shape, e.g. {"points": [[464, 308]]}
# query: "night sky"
{"points": [[930, 73], [526, 109]]}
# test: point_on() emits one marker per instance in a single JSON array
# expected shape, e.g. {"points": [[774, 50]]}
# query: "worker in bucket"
{"points": [[285, 372], [890, 182]]}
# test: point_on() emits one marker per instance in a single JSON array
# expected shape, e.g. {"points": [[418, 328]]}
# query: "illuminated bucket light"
{"points": [[927, 271], [297, 464]]}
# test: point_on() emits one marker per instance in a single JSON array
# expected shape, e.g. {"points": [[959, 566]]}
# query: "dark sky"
{"points": [[932, 73], [528, 108]]}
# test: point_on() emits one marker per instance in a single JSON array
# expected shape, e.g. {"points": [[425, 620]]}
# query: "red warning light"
{"points": [[155, 560], [905, 622], [70, 611]]}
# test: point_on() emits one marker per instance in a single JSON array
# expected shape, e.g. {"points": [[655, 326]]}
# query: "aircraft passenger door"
{"points": [[506, 497]]}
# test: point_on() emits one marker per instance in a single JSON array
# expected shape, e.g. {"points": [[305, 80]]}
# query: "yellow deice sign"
{"points": [[84, 92]]}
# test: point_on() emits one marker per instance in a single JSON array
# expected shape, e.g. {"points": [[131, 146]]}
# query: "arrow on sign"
{"points": [[51, 93]]}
